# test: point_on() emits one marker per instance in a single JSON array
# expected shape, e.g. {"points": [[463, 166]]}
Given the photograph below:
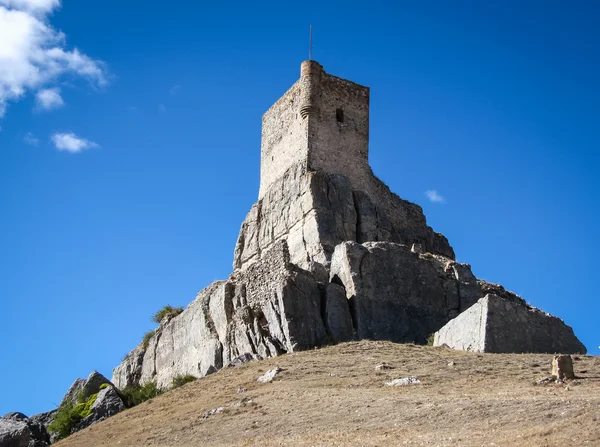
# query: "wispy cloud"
{"points": [[30, 139], [70, 142], [162, 108], [33, 54], [49, 99], [174, 90], [434, 196]]}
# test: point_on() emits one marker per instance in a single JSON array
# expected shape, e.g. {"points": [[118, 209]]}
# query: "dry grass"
{"points": [[334, 396]]}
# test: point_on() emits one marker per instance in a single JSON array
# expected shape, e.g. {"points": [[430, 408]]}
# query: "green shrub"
{"points": [[104, 385], [182, 380], [133, 395], [68, 415], [430, 340], [146, 339], [166, 311]]}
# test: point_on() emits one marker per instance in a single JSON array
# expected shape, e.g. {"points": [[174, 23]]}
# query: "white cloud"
{"points": [[70, 142], [49, 99], [434, 196], [36, 6], [33, 54], [30, 139]]}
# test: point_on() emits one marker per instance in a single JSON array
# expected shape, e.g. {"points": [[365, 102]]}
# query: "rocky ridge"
{"points": [[318, 262]]}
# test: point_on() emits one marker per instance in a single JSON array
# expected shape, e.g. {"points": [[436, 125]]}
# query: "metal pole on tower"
{"points": [[310, 45]]}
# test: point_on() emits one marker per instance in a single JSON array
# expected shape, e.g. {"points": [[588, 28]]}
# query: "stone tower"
{"points": [[321, 122], [329, 254], [316, 186]]}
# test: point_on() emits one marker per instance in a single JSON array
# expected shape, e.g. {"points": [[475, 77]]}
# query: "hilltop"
{"points": [[336, 396]]}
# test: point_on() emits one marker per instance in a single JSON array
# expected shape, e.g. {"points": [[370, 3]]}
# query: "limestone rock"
{"points": [[404, 381], [269, 375], [314, 211], [337, 314], [272, 307], [87, 387], [495, 324], [243, 359], [562, 367], [17, 430], [107, 404], [397, 294], [14, 433], [15, 416]]}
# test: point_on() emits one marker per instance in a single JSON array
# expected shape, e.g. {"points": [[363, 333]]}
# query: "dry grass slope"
{"points": [[334, 396]]}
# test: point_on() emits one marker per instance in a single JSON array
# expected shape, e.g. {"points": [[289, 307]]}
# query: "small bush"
{"points": [[69, 415], [166, 311], [430, 340], [146, 340], [104, 385], [133, 395], [182, 380]]}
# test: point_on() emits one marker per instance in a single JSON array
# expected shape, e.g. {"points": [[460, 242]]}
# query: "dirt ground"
{"points": [[335, 397]]}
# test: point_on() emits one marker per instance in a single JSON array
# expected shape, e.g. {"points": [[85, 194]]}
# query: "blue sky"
{"points": [[130, 148]]}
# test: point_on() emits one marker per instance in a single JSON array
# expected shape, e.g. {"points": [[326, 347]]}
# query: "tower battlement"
{"points": [[322, 123]]}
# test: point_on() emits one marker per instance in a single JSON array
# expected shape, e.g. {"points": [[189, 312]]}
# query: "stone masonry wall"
{"points": [[284, 136]]}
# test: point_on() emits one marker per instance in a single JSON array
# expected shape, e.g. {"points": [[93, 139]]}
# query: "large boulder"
{"points": [[495, 324], [17, 430], [83, 388], [394, 293], [14, 433], [107, 404]]}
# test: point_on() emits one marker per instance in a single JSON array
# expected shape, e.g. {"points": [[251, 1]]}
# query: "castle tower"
{"points": [[321, 122]]}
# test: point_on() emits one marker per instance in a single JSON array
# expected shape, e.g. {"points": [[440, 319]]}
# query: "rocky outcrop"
{"points": [[374, 290], [107, 404], [327, 254], [395, 294], [17, 430], [314, 211], [495, 324], [272, 307], [85, 387]]}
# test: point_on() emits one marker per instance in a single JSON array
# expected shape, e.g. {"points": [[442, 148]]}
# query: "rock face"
{"points": [[85, 387], [495, 324], [17, 430], [327, 254], [270, 308], [107, 404]]}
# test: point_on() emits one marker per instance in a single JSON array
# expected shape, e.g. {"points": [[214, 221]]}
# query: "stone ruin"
{"points": [[329, 254]]}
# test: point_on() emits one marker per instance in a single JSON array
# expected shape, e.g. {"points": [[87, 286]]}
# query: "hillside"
{"points": [[336, 396]]}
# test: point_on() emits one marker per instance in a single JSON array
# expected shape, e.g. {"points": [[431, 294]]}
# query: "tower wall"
{"points": [[284, 136], [321, 122]]}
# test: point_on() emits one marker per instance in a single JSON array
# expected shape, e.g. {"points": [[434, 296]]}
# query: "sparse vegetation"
{"points": [[104, 385], [182, 380], [146, 339], [68, 415], [430, 340], [133, 395], [166, 311]]}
